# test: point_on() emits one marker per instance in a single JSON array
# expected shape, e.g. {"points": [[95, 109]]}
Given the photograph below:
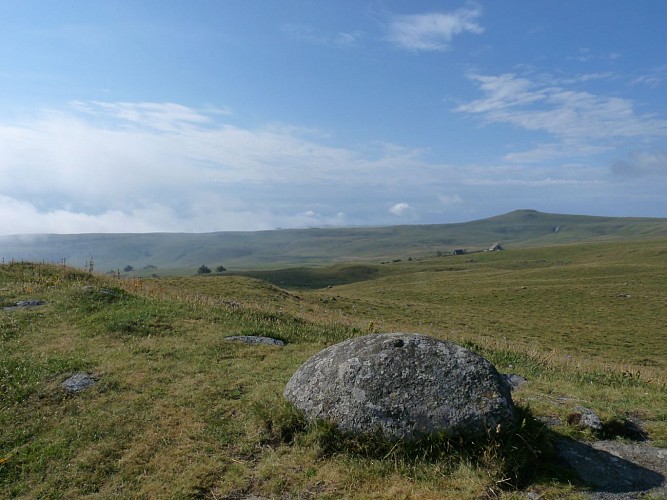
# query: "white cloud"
{"points": [[583, 122], [400, 209], [107, 167], [121, 168], [433, 31], [22, 217]]}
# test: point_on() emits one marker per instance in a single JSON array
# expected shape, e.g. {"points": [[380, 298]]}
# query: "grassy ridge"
{"points": [[179, 412], [184, 253]]}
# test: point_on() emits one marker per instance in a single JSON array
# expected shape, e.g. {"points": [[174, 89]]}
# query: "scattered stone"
{"points": [[231, 303], [585, 417], [23, 304], [78, 382], [255, 340], [404, 385], [513, 380]]}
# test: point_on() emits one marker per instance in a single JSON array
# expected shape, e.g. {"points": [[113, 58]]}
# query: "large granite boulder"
{"points": [[404, 385]]}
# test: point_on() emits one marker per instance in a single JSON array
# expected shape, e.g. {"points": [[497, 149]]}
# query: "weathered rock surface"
{"points": [[405, 385], [255, 340]]}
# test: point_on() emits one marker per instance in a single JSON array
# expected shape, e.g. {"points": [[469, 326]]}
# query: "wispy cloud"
{"points": [[653, 77], [582, 122], [433, 31], [641, 164], [164, 116], [305, 33]]}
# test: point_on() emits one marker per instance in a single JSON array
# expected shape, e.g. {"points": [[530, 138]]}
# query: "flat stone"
{"points": [[78, 382], [404, 385], [255, 340], [22, 304]]}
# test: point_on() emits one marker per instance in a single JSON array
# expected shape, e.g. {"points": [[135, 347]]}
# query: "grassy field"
{"points": [[179, 412]]}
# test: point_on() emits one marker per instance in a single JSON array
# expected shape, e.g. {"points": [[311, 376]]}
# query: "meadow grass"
{"points": [[180, 412]]}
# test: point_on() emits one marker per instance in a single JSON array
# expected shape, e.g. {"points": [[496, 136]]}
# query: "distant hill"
{"points": [[271, 249]]}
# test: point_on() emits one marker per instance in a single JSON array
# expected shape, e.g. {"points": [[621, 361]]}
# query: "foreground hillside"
{"points": [[177, 411], [171, 253]]}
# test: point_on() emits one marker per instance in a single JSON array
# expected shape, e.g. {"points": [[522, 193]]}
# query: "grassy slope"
{"points": [[184, 253], [179, 412]]}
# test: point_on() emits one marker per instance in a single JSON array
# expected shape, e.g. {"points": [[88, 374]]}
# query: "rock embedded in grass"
{"points": [[585, 417], [255, 340], [23, 304], [404, 385], [78, 382], [513, 380]]}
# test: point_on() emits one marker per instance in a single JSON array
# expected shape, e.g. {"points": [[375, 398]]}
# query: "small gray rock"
{"points": [[513, 380], [586, 417], [78, 382], [29, 303], [22, 304], [255, 340], [404, 385]]}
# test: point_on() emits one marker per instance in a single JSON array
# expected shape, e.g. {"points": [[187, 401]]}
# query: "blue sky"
{"points": [[141, 116]]}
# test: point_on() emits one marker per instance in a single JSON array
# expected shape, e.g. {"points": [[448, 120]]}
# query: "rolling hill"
{"points": [[284, 248]]}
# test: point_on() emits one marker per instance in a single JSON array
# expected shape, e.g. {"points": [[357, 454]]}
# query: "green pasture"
{"points": [[180, 412]]}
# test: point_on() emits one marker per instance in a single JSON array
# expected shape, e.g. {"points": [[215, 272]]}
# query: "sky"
{"points": [[199, 116]]}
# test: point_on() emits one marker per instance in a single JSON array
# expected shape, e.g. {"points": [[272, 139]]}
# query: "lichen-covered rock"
{"points": [[404, 385]]}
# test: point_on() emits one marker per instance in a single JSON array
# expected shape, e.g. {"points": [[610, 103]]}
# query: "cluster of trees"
{"points": [[129, 268], [204, 269]]}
